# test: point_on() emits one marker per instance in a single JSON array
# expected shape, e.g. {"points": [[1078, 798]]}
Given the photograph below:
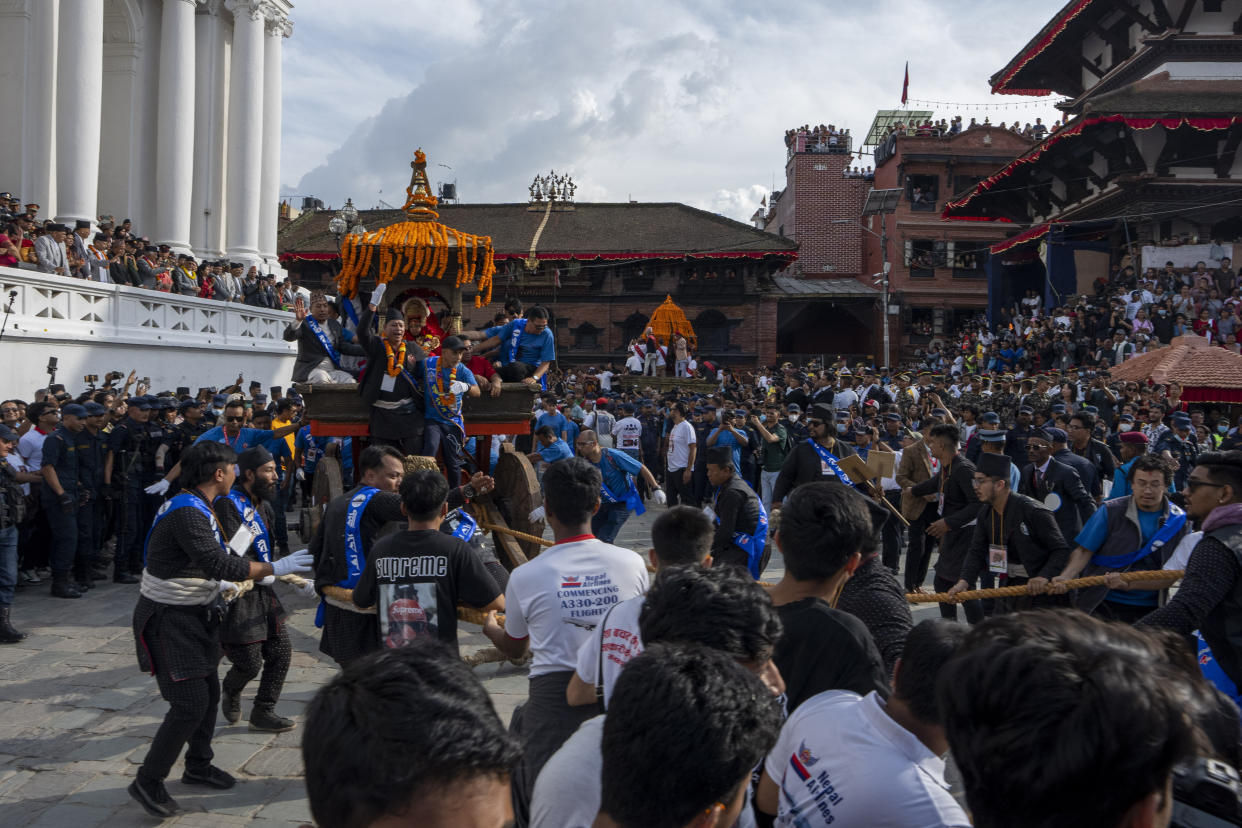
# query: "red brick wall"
{"points": [[815, 195]]}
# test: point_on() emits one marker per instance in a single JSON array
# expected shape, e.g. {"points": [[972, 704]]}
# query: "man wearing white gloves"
{"points": [[445, 380], [176, 622], [618, 492]]}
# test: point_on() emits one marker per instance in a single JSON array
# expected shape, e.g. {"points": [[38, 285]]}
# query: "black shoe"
{"points": [[230, 706], [212, 777], [8, 635], [125, 578], [62, 588], [100, 575], [154, 798], [267, 721], [83, 584]]}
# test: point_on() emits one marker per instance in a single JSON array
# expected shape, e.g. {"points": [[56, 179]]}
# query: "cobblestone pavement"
{"points": [[78, 715]]}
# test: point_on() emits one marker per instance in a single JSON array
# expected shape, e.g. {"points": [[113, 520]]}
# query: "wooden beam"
{"points": [[1090, 66], [1137, 16], [1183, 17], [1229, 152], [1162, 14]]}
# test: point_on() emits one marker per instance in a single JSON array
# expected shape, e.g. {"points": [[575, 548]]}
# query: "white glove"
{"points": [[228, 590], [268, 581], [537, 514], [157, 488], [659, 497], [298, 562], [377, 295], [306, 590], [301, 474], [459, 387]]}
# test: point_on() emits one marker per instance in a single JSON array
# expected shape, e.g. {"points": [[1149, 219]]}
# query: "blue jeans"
{"points": [[607, 522], [438, 435], [8, 564]]}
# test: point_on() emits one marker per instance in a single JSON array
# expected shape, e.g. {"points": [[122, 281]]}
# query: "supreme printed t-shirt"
{"points": [[415, 580], [557, 598]]}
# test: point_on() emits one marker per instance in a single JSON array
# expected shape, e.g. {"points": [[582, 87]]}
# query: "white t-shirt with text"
{"points": [[618, 641], [557, 598], [680, 438], [842, 761], [628, 431]]}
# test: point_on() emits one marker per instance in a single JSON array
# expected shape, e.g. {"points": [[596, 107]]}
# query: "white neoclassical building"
{"points": [[166, 112]]}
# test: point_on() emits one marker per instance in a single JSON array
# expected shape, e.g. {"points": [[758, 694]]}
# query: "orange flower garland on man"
{"points": [[388, 386]]}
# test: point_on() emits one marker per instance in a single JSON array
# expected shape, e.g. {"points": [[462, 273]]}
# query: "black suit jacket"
{"points": [[369, 383], [1030, 536], [804, 466], [311, 352], [737, 506], [1077, 505]]}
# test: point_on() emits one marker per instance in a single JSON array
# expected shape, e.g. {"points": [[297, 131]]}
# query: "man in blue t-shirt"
{"points": [[553, 418], [445, 380], [527, 347], [619, 494], [728, 434], [548, 447], [1120, 528]]}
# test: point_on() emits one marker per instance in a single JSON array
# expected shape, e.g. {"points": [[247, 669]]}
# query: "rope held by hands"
{"points": [[1169, 575]]}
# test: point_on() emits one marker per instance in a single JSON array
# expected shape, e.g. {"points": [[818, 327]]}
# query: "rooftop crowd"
{"points": [[112, 253]]}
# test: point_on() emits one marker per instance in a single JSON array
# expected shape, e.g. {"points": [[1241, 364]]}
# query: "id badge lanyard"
{"points": [[998, 554]]}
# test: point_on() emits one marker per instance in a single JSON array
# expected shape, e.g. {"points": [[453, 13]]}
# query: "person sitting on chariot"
{"points": [[421, 326], [321, 342]]}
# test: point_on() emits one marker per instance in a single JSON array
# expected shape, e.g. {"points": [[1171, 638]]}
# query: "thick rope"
{"points": [[1169, 575], [505, 530]]}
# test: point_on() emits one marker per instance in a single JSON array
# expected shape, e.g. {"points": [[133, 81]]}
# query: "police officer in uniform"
{"points": [[189, 569], [62, 499], [126, 477], [12, 512], [91, 454], [181, 436]]}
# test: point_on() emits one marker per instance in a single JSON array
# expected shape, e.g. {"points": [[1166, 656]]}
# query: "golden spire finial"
{"points": [[419, 202]]}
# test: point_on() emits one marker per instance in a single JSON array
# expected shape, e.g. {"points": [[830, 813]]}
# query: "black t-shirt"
{"points": [[826, 649], [415, 579]]}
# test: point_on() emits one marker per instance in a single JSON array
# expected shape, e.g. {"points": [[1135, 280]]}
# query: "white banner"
{"points": [[1186, 256]]}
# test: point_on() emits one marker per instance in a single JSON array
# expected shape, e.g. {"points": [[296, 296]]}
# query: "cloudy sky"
{"points": [[675, 100]]}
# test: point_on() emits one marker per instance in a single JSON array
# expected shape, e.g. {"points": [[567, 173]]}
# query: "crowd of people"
{"points": [[673, 687], [111, 253], [942, 127]]}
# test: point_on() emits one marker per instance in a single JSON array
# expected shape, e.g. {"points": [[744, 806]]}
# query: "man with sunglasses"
{"points": [[815, 459]]}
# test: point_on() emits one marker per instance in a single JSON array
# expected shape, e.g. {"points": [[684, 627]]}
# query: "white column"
{"points": [[210, 97], [14, 33], [174, 143], [278, 28], [79, 108], [39, 113], [245, 155]]}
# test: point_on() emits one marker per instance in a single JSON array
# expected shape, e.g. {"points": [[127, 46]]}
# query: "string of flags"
{"points": [[1040, 103]]}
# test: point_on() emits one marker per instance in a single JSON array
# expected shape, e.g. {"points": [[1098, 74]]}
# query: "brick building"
{"points": [[830, 308], [938, 277], [602, 269]]}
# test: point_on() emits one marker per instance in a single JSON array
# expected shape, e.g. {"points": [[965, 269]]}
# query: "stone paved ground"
{"points": [[78, 715]]}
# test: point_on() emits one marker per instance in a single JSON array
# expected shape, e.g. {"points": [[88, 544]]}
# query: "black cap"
{"points": [[821, 411], [253, 457], [994, 465]]}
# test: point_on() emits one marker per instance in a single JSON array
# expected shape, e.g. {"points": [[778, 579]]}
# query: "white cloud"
{"points": [[680, 100]]}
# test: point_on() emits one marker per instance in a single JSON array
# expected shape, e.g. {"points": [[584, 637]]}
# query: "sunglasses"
{"points": [[1191, 485], [815, 422], [235, 419]]}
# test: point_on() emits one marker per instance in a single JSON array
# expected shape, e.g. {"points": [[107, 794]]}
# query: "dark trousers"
{"points": [[132, 537], [406, 445], [271, 656], [64, 527], [699, 481], [1125, 613], [446, 439], [607, 522], [88, 539], [280, 505], [679, 493], [890, 534], [974, 609], [920, 547], [191, 718]]}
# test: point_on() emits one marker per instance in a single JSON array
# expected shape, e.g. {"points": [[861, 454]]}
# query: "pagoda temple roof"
{"points": [[586, 231], [1032, 70], [1162, 97]]}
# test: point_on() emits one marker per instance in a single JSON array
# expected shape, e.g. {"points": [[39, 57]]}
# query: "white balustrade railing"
{"points": [[178, 338]]}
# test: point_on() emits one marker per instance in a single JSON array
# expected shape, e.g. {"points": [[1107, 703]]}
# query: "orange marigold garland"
{"points": [[417, 249]]}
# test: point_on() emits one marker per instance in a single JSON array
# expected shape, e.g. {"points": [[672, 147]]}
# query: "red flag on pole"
{"points": [[905, 85]]}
